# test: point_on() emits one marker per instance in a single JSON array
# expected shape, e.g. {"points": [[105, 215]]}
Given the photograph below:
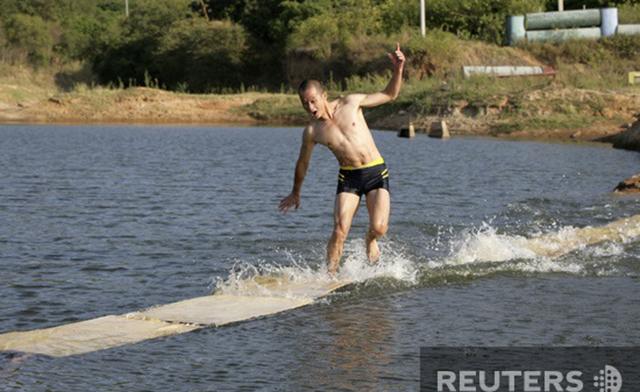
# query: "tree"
{"points": [[132, 56], [30, 35], [201, 55]]}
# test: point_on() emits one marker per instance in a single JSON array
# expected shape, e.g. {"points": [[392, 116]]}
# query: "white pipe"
{"points": [[423, 23]]}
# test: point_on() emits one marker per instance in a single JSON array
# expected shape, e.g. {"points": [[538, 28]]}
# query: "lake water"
{"points": [[98, 220]]}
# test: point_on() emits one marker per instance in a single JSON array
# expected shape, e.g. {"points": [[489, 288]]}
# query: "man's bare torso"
{"points": [[346, 134]]}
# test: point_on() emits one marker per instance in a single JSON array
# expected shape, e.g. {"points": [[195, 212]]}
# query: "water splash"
{"points": [[487, 245], [393, 263], [250, 279], [472, 254]]}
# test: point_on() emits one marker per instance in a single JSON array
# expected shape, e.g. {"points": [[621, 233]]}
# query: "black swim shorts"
{"points": [[361, 180]]}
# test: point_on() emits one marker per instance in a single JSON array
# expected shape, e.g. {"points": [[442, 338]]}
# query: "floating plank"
{"points": [[275, 286], [217, 310], [91, 335], [258, 297], [568, 240]]}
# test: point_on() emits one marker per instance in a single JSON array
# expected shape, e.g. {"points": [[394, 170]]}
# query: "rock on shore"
{"points": [[630, 185], [629, 139]]}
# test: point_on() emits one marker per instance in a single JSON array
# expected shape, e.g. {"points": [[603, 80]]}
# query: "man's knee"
{"points": [[340, 231], [378, 229]]}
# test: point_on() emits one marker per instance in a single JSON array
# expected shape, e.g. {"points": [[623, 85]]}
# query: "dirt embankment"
{"points": [[549, 113], [137, 105], [604, 114]]}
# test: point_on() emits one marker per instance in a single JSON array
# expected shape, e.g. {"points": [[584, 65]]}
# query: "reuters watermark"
{"points": [[530, 369]]}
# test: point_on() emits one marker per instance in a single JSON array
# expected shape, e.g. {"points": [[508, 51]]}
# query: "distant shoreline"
{"points": [[178, 123], [147, 106]]}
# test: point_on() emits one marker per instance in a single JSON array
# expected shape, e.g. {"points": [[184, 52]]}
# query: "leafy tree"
{"points": [[317, 34], [222, 9], [334, 25], [202, 54], [31, 35], [396, 15], [480, 19], [87, 32], [151, 18], [132, 56]]}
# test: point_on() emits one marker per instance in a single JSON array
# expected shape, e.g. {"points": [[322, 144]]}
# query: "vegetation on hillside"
{"points": [[208, 45]]}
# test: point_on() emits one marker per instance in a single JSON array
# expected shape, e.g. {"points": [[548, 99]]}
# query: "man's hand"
{"points": [[397, 57], [293, 200]]}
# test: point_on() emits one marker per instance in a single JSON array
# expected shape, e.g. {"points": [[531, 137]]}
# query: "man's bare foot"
{"points": [[332, 268], [373, 253]]}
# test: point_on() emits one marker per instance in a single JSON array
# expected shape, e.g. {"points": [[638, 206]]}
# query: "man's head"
{"points": [[313, 97]]}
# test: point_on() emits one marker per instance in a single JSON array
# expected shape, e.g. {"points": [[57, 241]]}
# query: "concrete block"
{"points": [[439, 129], [409, 132]]}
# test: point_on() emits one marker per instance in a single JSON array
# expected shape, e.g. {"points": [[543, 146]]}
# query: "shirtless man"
{"points": [[340, 125]]}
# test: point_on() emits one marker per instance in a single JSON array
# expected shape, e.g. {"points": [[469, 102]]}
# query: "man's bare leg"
{"points": [[379, 206], [345, 208]]}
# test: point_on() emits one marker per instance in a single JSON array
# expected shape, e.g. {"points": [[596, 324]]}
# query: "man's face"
{"points": [[313, 102]]}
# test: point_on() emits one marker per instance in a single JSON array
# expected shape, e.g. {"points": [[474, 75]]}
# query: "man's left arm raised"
{"points": [[393, 88]]}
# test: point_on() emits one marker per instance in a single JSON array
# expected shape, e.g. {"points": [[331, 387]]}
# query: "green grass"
{"points": [[559, 121], [276, 108]]}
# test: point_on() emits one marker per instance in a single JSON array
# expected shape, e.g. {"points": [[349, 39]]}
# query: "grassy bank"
{"points": [[69, 94], [588, 98]]}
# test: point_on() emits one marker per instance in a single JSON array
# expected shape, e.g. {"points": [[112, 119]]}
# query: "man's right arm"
{"points": [[293, 200]]}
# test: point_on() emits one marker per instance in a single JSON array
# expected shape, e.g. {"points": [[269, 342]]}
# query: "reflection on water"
{"points": [[355, 345], [358, 350]]}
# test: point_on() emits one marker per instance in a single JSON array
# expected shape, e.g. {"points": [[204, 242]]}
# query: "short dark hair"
{"points": [[308, 83]]}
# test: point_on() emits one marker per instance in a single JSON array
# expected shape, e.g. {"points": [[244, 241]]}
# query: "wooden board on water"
{"points": [[272, 295], [277, 286], [91, 335], [261, 297], [217, 310]]}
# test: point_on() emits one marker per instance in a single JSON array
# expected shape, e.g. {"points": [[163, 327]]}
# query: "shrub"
{"points": [[31, 35], [86, 35], [133, 53], [629, 13], [396, 15], [201, 54], [150, 18], [571, 51], [624, 46], [319, 34], [481, 19], [432, 54]]}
